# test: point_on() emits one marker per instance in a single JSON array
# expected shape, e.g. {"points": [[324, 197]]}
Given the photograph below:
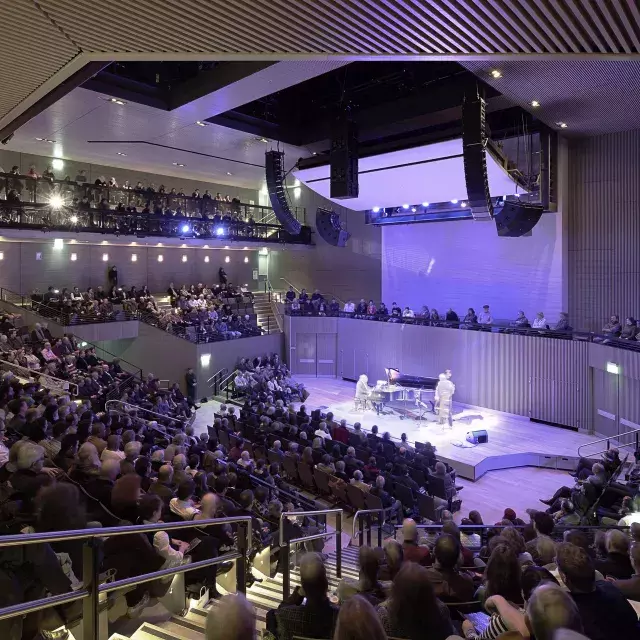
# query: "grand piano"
{"points": [[403, 388]]}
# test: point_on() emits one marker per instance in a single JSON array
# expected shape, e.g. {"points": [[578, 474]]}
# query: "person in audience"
{"points": [[411, 549], [611, 329], [485, 317], [233, 618], [542, 548], [308, 611], [349, 307], [630, 587], [629, 330], [449, 583], [470, 319], [521, 321], [357, 481], [413, 611], [563, 322], [367, 585], [408, 313], [357, 620], [540, 321], [549, 609], [604, 611], [616, 563]]}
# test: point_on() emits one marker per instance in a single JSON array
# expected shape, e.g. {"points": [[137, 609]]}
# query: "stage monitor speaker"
{"points": [[275, 176], [517, 219], [479, 436], [344, 160], [328, 226], [474, 141]]}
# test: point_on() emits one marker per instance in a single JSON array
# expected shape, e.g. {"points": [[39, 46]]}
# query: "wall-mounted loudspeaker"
{"points": [[517, 219], [275, 175], [474, 142], [477, 437], [328, 226], [344, 160]]}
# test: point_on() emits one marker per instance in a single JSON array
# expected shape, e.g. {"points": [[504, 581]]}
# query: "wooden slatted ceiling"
{"points": [[40, 37]]}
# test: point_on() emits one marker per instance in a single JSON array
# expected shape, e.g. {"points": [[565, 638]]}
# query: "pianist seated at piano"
{"points": [[362, 392]]}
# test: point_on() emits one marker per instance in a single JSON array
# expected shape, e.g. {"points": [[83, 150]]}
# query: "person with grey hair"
{"points": [[112, 450], [322, 431], [389, 503], [411, 548], [293, 451], [617, 563], [357, 481], [233, 618], [551, 608], [179, 464]]}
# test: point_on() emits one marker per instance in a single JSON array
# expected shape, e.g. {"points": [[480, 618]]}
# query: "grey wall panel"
{"points": [[627, 361], [516, 374], [326, 354], [21, 272], [353, 271], [604, 226]]}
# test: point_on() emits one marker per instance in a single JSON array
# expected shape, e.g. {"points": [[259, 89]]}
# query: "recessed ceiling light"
{"points": [[201, 124], [315, 153], [562, 125], [116, 101], [178, 164], [496, 73], [45, 140], [535, 103], [264, 140], [121, 154], [229, 173]]}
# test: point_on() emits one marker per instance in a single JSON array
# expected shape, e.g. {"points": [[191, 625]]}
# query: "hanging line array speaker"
{"points": [[329, 228], [275, 175], [517, 219], [343, 160], [474, 142]]}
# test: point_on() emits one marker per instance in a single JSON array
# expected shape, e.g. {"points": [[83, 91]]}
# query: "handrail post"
{"points": [[286, 571], [360, 532], [368, 529], [241, 562], [90, 578], [339, 545], [380, 525]]}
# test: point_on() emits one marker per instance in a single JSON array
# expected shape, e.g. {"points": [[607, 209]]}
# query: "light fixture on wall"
{"points": [[74, 257], [57, 164], [227, 259], [105, 257], [184, 258], [612, 367], [134, 257], [205, 359], [58, 243], [160, 258], [206, 258], [264, 251], [1, 255], [246, 259]]}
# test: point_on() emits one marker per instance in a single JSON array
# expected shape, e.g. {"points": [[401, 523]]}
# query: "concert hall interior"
{"points": [[282, 281]]}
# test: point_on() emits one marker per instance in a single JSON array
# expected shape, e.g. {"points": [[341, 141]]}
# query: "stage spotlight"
{"points": [[185, 228], [375, 209], [220, 231], [74, 219], [56, 202], [405, 206]]}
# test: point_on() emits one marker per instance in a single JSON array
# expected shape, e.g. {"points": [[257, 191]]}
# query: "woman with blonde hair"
{"points": [[358, 621]]}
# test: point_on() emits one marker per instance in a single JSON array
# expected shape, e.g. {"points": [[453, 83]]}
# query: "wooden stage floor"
{"points": [[514, 441]]}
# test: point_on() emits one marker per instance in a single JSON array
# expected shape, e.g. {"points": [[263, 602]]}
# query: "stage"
{"points": [[514, 441]]}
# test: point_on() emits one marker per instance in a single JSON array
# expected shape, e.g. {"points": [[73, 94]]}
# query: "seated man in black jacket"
{"points": [[388, 502]]}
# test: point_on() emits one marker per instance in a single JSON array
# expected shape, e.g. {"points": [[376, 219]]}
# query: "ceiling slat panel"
{"points": [[613, 25], [583, 19], [633, 14]]}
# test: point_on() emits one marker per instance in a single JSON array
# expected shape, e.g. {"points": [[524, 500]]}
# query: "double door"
{"points": [[315, 354]]}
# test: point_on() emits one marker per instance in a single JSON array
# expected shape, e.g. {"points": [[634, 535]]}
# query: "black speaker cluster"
{"points": [[330, 229], [517, 219], [275, 175], [344, 160]]}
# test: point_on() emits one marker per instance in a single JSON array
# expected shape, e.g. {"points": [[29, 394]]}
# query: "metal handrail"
{"points": [[608, 440], [50, 381], [291, 284], [92, 589], [286, 546], [326, 297], [356, 519], [138, 409]]}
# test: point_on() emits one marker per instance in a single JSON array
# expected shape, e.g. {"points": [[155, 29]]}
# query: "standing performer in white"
{"points": [[444, 398]]}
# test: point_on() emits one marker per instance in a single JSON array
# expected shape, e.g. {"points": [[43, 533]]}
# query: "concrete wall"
{"points": [[558, 381], [9, 159], [465, 264], [22, 272], [349, 272]]}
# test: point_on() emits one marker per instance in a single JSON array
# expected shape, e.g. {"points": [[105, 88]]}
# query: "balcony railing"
{"points": [[56, 205]]}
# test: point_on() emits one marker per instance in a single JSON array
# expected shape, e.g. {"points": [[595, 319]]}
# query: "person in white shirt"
{"points": [[349, 307], [485, 315], [408, 313], [540, 321], [322, 431]]}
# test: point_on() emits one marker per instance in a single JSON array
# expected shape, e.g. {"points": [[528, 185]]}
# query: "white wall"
{"points": [[465, 264]]}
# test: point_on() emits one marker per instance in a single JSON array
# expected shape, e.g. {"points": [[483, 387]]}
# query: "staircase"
{"points": [[264, 312], [264, 596]]}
